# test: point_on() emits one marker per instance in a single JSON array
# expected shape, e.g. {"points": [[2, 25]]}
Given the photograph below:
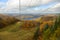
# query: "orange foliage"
{"points": [[30, 24]]}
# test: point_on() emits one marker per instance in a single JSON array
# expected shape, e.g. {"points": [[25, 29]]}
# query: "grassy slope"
{"points": [[13, 32], [7, 20], [48, 34], [52, 33]]}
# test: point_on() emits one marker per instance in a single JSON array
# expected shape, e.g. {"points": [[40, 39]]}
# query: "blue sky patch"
{"points": [[3, 0]]}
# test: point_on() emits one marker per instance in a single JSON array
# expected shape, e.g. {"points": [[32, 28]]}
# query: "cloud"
{"points": [[25, 3], [29, 6], [56, 0], [55, 8], [11, 6]]}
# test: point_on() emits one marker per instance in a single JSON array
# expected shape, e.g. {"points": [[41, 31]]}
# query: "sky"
{"points": [[29, 6], [9, 6]]}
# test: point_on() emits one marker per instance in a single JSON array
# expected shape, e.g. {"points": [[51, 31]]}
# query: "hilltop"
{"points": [[7, 20]]}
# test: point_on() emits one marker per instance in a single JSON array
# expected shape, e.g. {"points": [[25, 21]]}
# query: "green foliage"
{"points": [[46, 27], [52, 33], [36, 35]]}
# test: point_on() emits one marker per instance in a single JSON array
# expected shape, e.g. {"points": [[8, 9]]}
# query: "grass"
{"points": [[11, 27], [13, 32]]}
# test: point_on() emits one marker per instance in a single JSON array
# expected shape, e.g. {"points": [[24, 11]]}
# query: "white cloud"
{"points": [[45, 1], [27, 3], [55, 8], [33, 2], [57, 5], [11, 6]]}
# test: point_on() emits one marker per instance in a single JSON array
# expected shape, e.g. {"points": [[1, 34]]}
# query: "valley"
{"points": [[29, 27]]}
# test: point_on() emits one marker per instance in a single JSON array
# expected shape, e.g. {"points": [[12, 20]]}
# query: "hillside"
{"points": [[15, 32], [49, 30], [14, 29], [7, 20], [44, 28]]}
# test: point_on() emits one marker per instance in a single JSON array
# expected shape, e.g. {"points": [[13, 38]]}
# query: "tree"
{"points": [[37, 33], [46, 27]]}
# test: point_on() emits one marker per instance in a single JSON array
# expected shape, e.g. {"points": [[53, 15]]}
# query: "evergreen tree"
{"points": [[37, 33], [59, 21], [46, 27], [55, 25]]}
